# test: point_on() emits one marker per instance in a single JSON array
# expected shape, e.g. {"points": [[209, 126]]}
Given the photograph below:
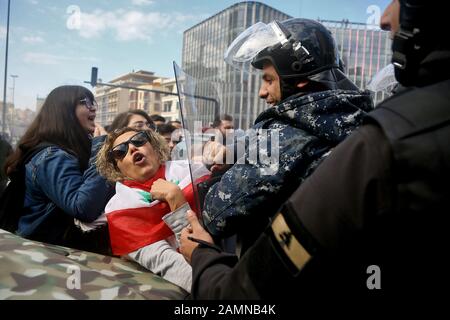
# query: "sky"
{"points": [[56, 42]]}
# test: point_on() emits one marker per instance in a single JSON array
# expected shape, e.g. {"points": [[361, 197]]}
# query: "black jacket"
{"points": [[5, 151]]}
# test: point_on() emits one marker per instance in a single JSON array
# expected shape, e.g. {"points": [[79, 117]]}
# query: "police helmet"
{"points": [[299, 49]]}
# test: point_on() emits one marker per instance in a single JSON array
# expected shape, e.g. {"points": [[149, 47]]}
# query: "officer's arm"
{"points": [[325, 216]]}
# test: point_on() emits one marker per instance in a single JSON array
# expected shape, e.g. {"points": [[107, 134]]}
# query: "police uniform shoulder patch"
{"points": [[289, 243]]}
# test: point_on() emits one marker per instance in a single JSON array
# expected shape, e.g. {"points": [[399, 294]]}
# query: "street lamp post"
{"points": [[13, 76], [6, 71]]}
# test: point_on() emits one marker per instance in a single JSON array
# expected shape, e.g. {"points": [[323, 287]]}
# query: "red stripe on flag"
{"points": [[131, 229], [134, 228]]}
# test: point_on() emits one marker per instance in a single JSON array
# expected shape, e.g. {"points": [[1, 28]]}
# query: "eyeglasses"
{"points": [[91, 105], [140, 125], [121, 150]]}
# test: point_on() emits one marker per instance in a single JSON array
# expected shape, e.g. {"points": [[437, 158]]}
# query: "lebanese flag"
{"points": [[135, 221]]}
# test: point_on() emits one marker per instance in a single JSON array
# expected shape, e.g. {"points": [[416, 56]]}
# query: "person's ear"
{"points": [[302, 84]]}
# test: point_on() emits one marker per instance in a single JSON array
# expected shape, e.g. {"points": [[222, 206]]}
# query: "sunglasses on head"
{"points": [[91, 105], [121, 150], [140, 125]]}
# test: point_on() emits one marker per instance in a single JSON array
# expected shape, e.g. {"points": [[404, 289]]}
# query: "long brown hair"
{"points": [[56, 123]]}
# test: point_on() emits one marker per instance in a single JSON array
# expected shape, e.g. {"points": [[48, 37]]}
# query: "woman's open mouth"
{"points": [[138, 158]]}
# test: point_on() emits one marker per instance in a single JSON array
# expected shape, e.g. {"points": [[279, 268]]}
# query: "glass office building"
{"points": [[203, 48], [364, 49]]}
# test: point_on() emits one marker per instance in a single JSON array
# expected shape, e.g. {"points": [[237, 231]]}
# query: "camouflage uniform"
{"points": [[309, 126], [39, 271]]}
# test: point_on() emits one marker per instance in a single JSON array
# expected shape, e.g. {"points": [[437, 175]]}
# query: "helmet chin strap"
{"points": [[405, 56], [330, 79], [289, 89]]}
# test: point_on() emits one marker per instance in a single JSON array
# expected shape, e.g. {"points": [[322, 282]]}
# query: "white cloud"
{"points": [[142, 2], [32, 39], [138, 26], [35, 2], [51, 59], [132, 25], [2, 32], [92, 25]]}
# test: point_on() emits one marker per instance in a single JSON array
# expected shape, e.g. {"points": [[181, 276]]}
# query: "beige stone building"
{"points": [[170, 106], [112, 101], [148, 101], [17, 122]]}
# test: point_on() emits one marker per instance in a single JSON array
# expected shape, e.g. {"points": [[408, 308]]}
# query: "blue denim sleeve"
{"points": [[97, 143], [82, 195]]}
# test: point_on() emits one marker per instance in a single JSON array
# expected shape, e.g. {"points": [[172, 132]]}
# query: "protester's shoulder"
{"points": [[51, 153], [98, 141], [35, 270]]}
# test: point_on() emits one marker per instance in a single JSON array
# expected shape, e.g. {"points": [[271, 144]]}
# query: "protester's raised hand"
{"points": [[99, 130], [214, 155]]}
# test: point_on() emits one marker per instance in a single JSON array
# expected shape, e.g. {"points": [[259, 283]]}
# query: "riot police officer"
{"points": [[373, 216], [314, 107]]}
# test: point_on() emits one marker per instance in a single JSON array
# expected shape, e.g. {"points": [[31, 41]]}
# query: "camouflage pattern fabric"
{"points": [[39, 271], [308, 127]]}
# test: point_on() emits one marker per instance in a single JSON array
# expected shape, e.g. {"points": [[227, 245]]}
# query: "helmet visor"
{"points": [[250, 42]]}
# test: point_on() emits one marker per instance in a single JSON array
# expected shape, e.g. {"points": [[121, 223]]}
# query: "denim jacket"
{"points": [[56, 190]]}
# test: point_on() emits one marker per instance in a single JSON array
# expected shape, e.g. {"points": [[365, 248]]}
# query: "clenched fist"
{"points": [[169, 192]]}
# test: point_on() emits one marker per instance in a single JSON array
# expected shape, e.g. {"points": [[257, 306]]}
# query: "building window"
{"points": [[167, 106]]}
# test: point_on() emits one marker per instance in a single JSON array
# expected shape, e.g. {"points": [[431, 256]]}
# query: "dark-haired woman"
{"points": [[61, 181]]}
